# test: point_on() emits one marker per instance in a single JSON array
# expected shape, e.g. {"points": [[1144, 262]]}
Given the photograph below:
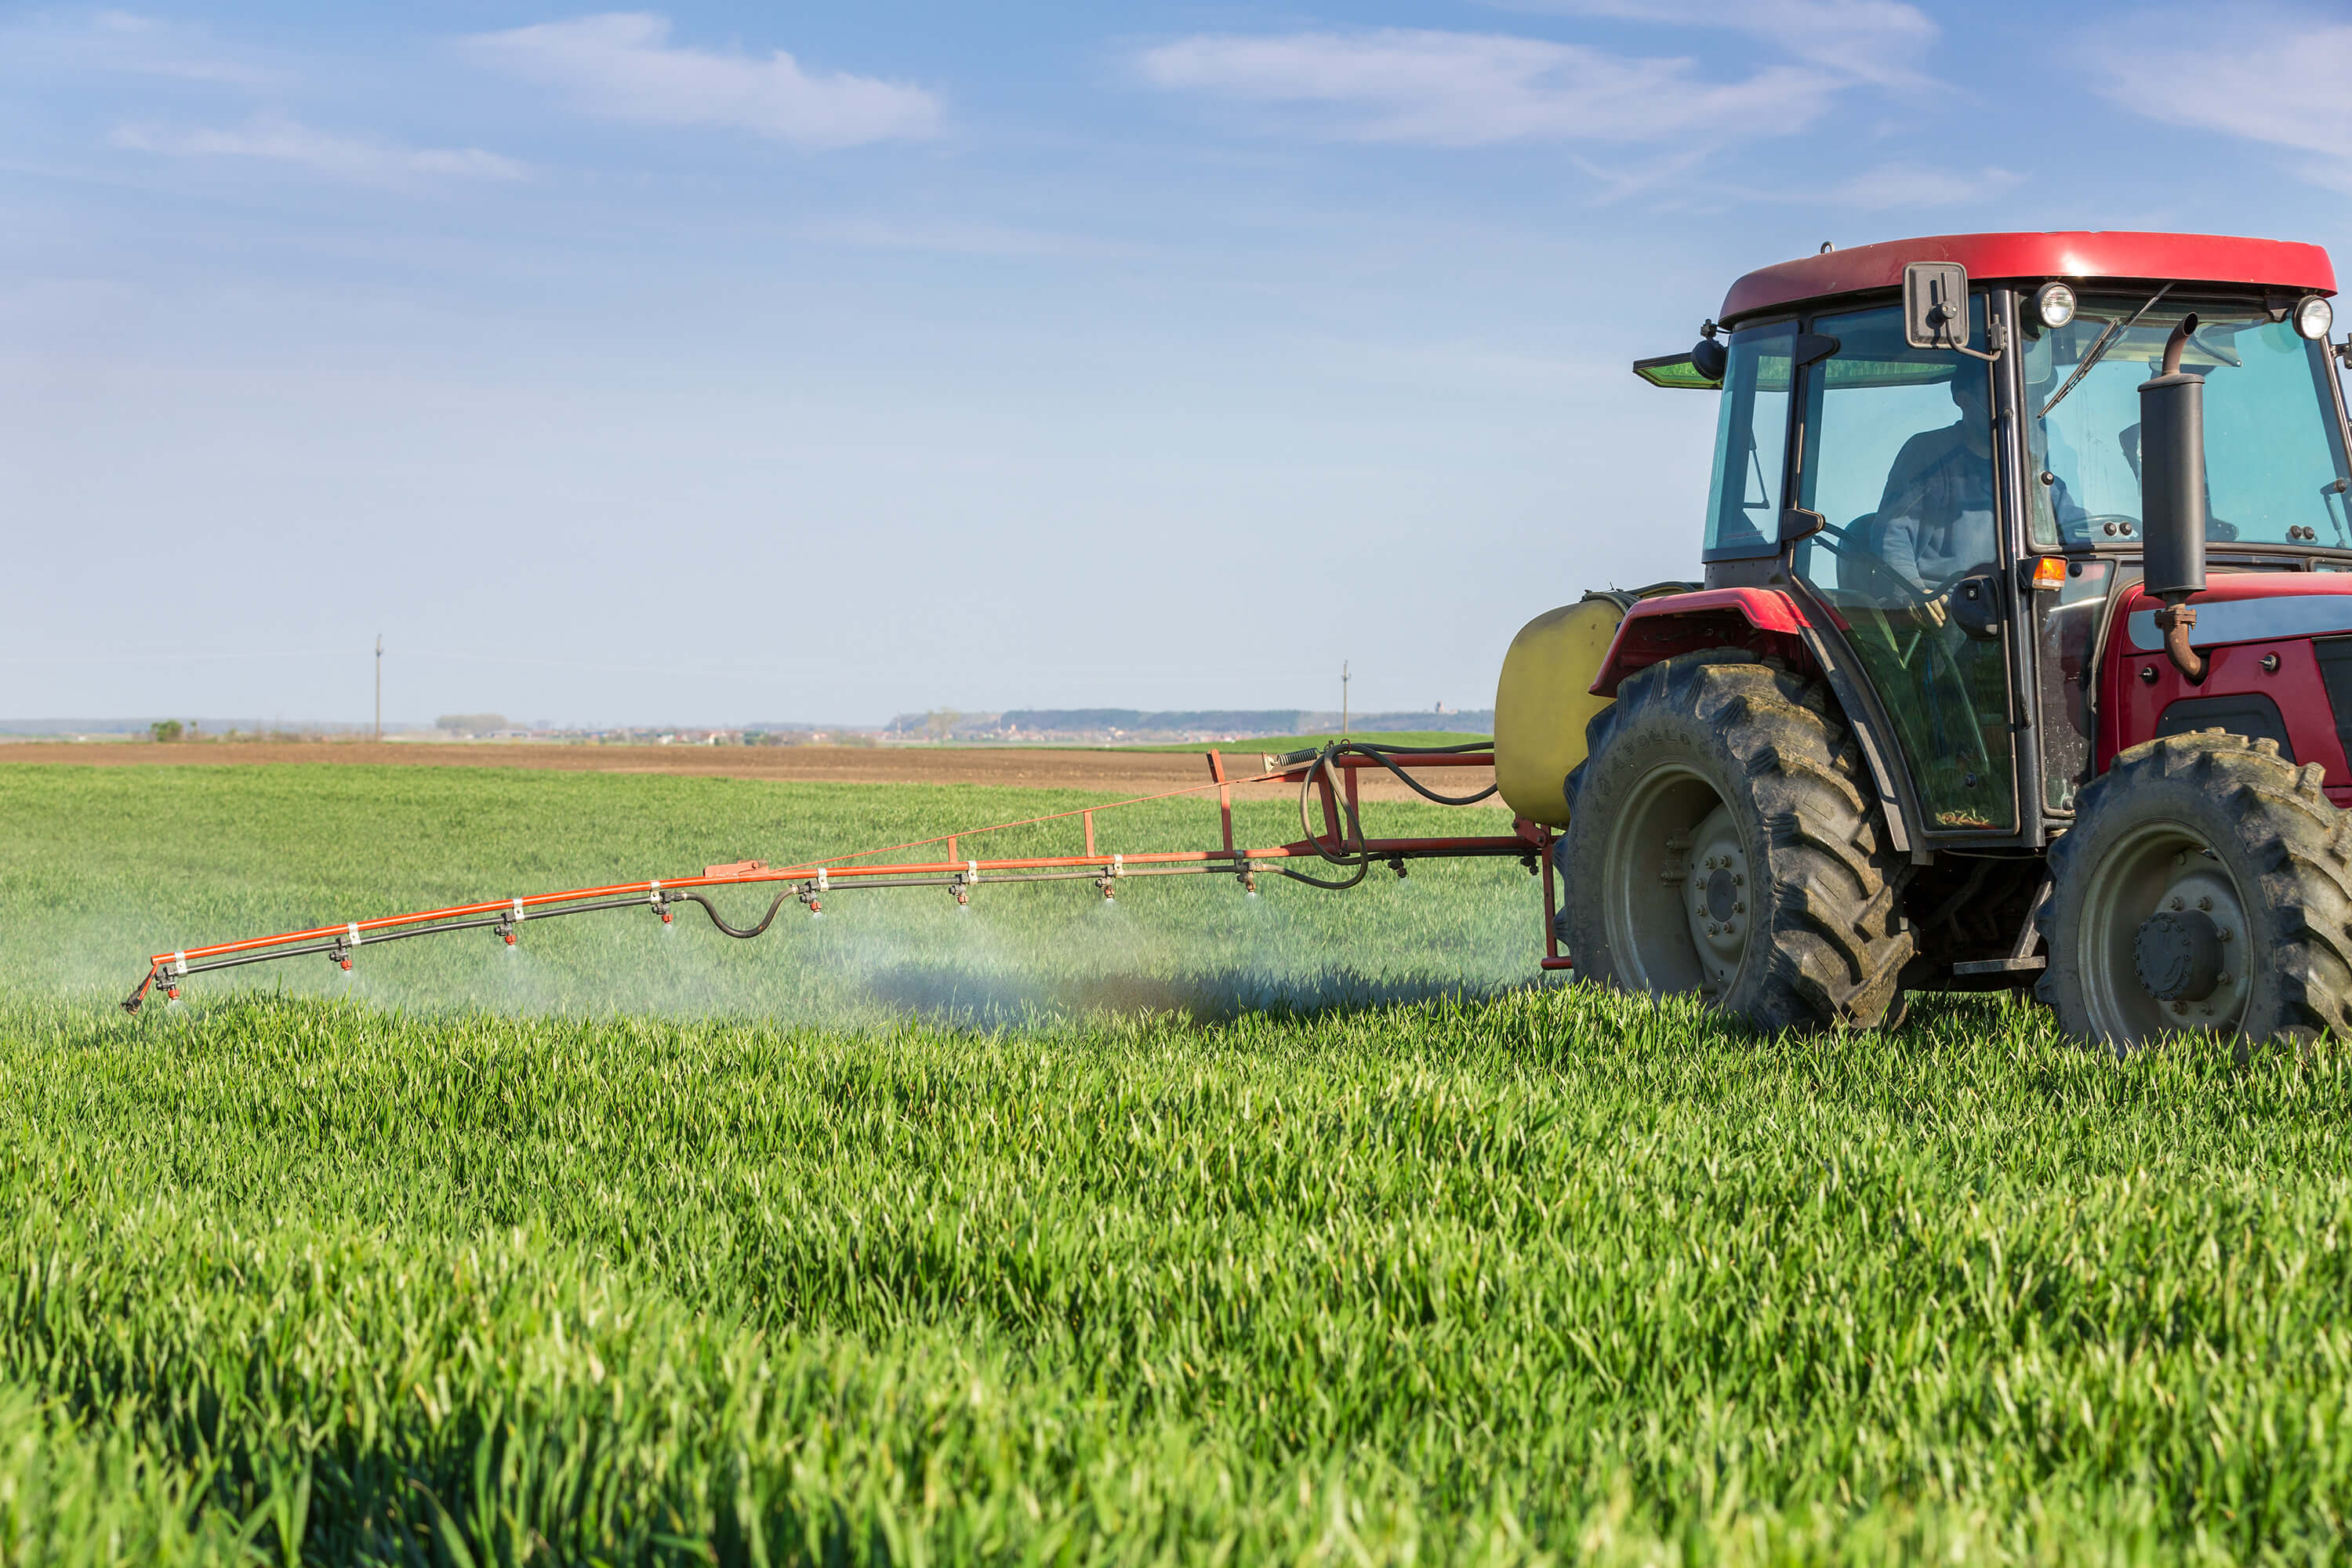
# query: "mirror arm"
{"points": [[1995, 338]]}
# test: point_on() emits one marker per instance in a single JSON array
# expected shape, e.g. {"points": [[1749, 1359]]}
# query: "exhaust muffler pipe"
{"points": [[2172, 497]]}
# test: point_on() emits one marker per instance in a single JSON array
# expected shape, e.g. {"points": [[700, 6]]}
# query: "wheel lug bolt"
{"points": [[2204, 904]]}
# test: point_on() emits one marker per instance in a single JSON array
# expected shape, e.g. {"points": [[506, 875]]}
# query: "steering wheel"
{"points": [[1865, 574]]}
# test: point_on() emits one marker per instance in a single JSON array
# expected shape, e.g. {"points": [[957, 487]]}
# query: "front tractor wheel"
{"points": [[2206, 887], [1719, 841]]}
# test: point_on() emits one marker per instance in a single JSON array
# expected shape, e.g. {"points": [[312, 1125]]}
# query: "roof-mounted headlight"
{"points": [[2312, 316], [2054, 305]]}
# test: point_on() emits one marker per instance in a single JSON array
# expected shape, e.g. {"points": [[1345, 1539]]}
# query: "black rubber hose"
{"points": [[1459, 749], [1416, 785], [1355, 827], [720, 921]]}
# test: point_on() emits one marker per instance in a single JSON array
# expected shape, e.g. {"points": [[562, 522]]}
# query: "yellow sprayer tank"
{"points": [[1542, 703]]}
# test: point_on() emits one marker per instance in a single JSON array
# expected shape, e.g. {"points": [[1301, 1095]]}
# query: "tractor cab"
{"points": [[1957, 514]]}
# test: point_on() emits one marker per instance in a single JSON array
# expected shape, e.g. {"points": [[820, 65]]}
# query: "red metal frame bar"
{"points": [[1553, 958]]}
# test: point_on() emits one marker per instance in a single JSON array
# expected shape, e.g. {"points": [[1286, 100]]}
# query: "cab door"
{"points": [[1895, 453]]}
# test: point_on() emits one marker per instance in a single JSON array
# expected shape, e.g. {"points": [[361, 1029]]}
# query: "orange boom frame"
{"points": [[1328, 778]]}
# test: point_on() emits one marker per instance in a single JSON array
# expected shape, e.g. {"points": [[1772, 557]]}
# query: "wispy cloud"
{"points": [[1892, 185], [622, 66], [2273, 80], [128, 43], [957, 238], [353, 159], [125, 41], [1878, 41], [1469, 90]]}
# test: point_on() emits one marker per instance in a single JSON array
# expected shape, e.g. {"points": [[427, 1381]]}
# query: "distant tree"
{"points": [[470, 723], [165, 729], [940, 722]]}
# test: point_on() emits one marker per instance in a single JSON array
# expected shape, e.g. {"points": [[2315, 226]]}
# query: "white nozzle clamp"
{"points": [[1118, 865], [351, 933], [971, 870], [518, 911], [822, 884], [653, 892], [179, 964]]}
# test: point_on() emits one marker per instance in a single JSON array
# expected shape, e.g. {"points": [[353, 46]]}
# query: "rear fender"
{"points": [[1765, 620], [1772, 625]]}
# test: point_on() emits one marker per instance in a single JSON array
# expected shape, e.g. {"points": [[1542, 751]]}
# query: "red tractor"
{"points": [[2023, 655]]}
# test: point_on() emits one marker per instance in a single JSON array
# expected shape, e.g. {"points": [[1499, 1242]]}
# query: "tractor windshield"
{"points": [[2275, 460]]}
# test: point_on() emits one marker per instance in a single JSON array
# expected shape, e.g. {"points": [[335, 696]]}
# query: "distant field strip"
{"points": [[779, 1265], [1125, 770]]}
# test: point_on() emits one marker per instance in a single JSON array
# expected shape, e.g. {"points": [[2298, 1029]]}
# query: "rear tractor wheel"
{"points": [[1719, 841], [2206, 887]]}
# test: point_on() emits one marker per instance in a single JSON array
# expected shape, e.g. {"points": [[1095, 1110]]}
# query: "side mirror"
{"points": [[2172, 474], [1935, 305], [1936, 310]]}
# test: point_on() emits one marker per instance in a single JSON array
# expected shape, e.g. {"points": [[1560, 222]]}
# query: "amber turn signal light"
{"points": [[2050, 572]]}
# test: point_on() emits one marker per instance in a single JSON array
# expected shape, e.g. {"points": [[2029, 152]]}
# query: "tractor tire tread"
{"points": [[1838, 940], [2298, 842]]}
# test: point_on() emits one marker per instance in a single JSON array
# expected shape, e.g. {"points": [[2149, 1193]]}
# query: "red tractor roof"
{"points": [[2104, 254]]}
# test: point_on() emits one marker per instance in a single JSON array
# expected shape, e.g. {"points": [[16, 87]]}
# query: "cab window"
{"points": [[1898, 460], [2276, 471], [1751, 440]]}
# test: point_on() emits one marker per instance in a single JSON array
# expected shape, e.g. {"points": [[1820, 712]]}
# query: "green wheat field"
{"points": [[1192, 1228]]}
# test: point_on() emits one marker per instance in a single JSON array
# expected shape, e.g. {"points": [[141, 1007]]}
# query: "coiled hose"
{"points": [[1362, 861]]}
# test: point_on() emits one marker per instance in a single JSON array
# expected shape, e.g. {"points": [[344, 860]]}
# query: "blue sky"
{"points": [[730, 362]]}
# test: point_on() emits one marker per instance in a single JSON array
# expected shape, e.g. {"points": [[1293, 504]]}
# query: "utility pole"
{"points": [[1343, 699], [379, 686]]}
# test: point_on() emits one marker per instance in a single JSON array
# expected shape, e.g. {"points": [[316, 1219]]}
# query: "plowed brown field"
{"points": [[1137, 773]]}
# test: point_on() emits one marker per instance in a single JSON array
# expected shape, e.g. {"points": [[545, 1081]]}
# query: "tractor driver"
{"points": [[1936, 517]]}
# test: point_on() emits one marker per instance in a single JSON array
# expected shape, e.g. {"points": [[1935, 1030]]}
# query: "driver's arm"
{"points": [[1899, 539], [1902, 509]]}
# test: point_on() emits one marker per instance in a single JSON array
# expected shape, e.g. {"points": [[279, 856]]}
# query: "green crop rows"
{"points": [[881, 1239]]}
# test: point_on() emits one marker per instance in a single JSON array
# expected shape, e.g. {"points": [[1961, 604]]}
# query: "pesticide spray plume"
{"points": [[1327, 776]]}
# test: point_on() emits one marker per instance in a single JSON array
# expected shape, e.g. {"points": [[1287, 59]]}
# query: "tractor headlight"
{"points": [[2054, 305], [2312, 316]]}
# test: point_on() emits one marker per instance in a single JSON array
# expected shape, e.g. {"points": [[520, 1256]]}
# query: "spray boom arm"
{"points": [[1329, 774]]}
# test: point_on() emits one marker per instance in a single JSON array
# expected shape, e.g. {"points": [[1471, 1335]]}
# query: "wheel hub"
{"points": [[2179, 956], [1718, 907], [1722, 894], [1674, 886], [2164, 938]]}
